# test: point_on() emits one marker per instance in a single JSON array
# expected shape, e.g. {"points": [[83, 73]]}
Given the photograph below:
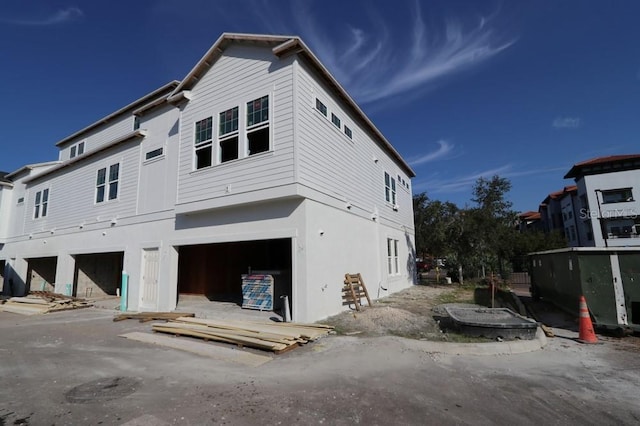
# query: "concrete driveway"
{"points": [[71, 368]]}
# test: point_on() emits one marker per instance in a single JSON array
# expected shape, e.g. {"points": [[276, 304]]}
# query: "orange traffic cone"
{"points": [[587, 335]]}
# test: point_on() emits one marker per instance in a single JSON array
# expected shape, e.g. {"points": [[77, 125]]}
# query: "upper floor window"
{"points": [[153, 154], [321, 107], [203, 142], [617, 195], [389, 189], [136, 122], [76, 150], [41, 204], [258, 125], [348, 132], [107, 185], [335, 120], [228, 135]]}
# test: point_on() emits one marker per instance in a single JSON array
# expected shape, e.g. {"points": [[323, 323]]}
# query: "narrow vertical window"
{"points": [[81, 148], [258, 125], [100, 185], [73, 152], [203, 143], [114, 174], [136, 122], [36, 208], [392, 256], [389, 189], [45, 202], [228, 135]]}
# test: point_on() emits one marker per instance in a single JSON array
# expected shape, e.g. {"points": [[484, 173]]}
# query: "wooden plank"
{"points": [[150, 316], [226, 337], [277, 338]]}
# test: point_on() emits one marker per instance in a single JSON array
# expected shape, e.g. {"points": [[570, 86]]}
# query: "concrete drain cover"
{"points": [[106, 389]]}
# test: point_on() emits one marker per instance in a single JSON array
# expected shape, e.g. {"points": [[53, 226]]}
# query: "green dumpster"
{"points": [[608, 278]]}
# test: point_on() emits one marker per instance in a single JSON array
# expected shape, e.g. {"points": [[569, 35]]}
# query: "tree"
{"points": [[434, 222]]}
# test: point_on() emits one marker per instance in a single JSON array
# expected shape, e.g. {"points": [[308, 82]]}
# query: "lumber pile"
{"points": [[151, 316], [42, 302], [270, 336]]}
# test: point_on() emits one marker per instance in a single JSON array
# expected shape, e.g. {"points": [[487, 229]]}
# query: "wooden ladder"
{"points": [[353, 291]]}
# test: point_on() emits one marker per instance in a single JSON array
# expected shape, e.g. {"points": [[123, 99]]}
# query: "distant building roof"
{"points": [[3, 178], [608, 164], [530, 215]]}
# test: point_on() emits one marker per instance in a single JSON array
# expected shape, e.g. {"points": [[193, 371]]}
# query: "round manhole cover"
{"points": [[105, 389]]}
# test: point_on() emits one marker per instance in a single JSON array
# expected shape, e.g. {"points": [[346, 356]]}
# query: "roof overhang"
{"points": [[124, 138], [136, 106]]}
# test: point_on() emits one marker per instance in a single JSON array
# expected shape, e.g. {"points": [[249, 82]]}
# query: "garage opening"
{"points": [[41, 273], [98, 274], [215, 270]]}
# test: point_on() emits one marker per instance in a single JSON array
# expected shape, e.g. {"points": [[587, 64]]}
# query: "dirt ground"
{"points": [[408, 313]]}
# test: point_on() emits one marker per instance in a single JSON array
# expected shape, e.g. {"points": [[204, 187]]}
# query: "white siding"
{"points": [[240, 75], [101, 135], [345, 169], [72, 191], [157, 186]]}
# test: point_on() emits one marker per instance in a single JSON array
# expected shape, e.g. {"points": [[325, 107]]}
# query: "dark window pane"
{"points": [[100, 194], [113, 190], [258, 141], [73, 151], [36, 213], [228, 121], [228, 149], [45, 195], [102, 173], [44, 209], [38, 195], [203, 157], [153, 154], [114, 171]]}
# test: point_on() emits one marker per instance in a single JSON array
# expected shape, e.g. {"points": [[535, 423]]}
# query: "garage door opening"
{"points": [[98, 274], [215, 270], [41, 274]]}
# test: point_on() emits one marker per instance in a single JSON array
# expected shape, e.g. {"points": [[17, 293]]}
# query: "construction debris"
{"points": [[42, 302], [275, 337], [151, 316]]}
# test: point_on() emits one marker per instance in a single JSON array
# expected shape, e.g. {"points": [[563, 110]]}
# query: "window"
{"points": [[136, 122], [20, 200], [153, 154], [335, 120], [321, 107], [108, 188], [228, 135], [77, 150], [41, 204], [617, 196], [392, 256], [348, 132], [389, 189], [258, 125], [204, 142]]}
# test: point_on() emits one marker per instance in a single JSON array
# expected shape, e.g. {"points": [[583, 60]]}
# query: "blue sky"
{"points": [[461, 89]]}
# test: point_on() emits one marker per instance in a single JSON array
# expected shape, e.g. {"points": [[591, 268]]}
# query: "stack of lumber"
{"points": [[270, 336], [42, 302], [152, 316]]}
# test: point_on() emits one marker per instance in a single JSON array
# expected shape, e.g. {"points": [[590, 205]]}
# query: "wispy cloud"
{"points": [[436, 185], [443, 150], [567, 122], [375, 61], [60, 17], [400, 63]]}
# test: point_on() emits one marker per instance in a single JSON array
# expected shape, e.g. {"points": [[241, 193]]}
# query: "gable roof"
{"points": [[283, 46], [608, 164]]}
